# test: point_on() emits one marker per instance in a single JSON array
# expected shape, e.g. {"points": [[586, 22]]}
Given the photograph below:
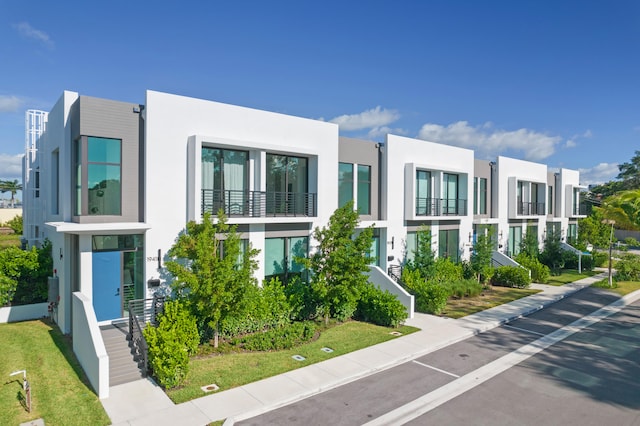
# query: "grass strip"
{"points": [[60, 393], [236, 369], [568, 276], [620, 287], [489, 298]]}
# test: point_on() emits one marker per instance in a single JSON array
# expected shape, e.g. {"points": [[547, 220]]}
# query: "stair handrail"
{"points": [[147, 310]]}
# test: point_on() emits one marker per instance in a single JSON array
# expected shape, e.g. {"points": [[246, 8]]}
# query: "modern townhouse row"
{"points": [[112, 184]]}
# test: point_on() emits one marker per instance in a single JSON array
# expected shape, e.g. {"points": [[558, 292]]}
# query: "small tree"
{"points": [[552, 253], [424, 258], [339, 263], [213, 284], [529, 245], [481, 258], [15, 224]]}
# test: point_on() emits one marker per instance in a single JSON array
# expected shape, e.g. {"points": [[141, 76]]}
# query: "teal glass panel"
{"points": [[103, 150], [345, 183], [104, 189], [482, 208], [274, 263], [411, 244], [364, 189], [374, 252], [297, 248]]}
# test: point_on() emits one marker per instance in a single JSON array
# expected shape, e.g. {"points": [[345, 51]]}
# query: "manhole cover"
{"points": [[298, 357], [396, 333], [327, 350]]}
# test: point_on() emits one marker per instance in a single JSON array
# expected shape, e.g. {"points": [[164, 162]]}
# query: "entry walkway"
{"points": [[143, 403]]}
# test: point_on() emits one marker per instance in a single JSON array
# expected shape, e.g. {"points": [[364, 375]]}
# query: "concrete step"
{"points": [[122, 366]]}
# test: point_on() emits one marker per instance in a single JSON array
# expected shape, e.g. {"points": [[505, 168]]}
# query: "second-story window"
{"points": [[364, 189], [479, 195], [98, 176], [550, 209], [287, 185], [423, 193], [225, 177], [345, 183], [450, 194]]}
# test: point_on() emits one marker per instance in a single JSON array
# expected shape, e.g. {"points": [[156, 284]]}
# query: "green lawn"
{"points": [[568, 276], [59, 390], [9, 240], [236, 369], [494, 296], [620, 287]]}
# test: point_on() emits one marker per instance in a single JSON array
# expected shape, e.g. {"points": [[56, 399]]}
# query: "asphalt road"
{"points": [[529, 372]]}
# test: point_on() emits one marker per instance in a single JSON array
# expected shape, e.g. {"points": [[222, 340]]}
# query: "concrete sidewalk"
{"points": [[144, 403]]}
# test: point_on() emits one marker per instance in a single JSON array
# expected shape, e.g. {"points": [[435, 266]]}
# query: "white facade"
{"points": [[176, 129], [402, 160]]}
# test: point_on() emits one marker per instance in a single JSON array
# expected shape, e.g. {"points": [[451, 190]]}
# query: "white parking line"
{"points": [[436, 369], [523, 329], [434, 399]]}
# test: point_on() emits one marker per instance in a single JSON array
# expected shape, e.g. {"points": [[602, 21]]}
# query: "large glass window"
{"points": [[287, 185], [279, 256], [225, 176], [515, 239], [572, 233], [448, 244], [101, 178], [450, 193], [364, 189], [482, 196], [345, 183], [550, 203], [423, 193]]}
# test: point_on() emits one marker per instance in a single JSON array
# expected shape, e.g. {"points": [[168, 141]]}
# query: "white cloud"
{"points": [[26, 30], [381, 132], [10, 166], [489, 142], [371, 119], [11, 103], [570, 144], [601, 173]]}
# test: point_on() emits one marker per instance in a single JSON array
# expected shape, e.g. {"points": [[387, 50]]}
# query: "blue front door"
{"points": [[107, 273]]}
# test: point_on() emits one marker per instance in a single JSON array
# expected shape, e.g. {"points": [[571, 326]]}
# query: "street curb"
{"points": [[230, 421]]}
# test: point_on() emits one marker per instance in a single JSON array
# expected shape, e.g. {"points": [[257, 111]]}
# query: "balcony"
{"points": [[259, 203], [531, 209], [440, 207]]}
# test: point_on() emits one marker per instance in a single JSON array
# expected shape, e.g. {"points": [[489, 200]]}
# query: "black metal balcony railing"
{"points": [[531, 209], [258, 203], [440, 207]]}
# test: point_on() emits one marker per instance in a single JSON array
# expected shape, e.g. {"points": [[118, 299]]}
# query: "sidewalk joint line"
{"points": [[524, 329], [436, 369]]}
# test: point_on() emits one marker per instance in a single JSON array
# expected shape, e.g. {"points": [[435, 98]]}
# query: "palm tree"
{"points": [[624, 208], [11, 186]]}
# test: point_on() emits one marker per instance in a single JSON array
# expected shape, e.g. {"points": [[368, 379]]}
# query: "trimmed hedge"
{"points": [[511, 276], [539, 272], [380, 307], [430, 297]]}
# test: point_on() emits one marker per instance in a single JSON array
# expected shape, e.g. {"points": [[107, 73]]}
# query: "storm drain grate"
{"points": [[327, 350], [298, 357], [210, 388]]}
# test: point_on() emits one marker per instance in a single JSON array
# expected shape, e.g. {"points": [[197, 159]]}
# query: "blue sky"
{"points": [[549, 81]]}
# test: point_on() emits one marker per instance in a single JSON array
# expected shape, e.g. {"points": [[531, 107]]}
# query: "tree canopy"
{"points": [[211, 272]]}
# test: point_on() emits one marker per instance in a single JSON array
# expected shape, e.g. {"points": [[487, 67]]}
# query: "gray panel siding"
{"points": [[112, 119], [482, 169], [365, 153]]}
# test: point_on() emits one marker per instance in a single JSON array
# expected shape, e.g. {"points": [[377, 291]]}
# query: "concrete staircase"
{"points": [[122, 367]]}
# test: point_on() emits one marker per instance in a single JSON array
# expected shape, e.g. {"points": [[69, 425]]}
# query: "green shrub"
{"points": [[430, 297], [25, 273], [283, 337], [464, 288], [304, 306], [266, 307], [511, 276], [539, 272], [380, 307], [630, 241], [628, 268], [569, 259], [444, 271], [600, 258], [15, 224], [170, 344]]}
